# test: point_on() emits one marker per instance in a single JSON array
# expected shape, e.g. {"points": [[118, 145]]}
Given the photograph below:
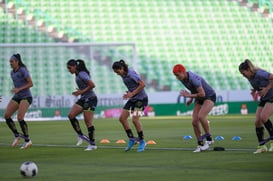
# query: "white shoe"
{"points": [[79, 142], [91, 147], [15, 141], [261, 149], [198, 149], [209, 142], [205, 146], [26, 145]]}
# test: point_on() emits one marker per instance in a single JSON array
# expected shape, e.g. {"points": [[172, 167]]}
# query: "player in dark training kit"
{"points": [[205, 98], [137, 101], [262, 83], [20, 101], [86, 104]]}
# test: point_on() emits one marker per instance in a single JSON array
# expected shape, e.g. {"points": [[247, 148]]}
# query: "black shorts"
{"points": [[201, 101], [18, 100], [89, 104], [262, 103], [137, 105]]}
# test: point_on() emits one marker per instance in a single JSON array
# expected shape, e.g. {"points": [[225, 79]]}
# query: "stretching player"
{"points": [[86, 104], [205, 98], [262, 82], [138, 100], [20, 101]]}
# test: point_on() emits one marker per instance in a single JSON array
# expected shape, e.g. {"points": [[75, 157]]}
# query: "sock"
{"points": [[140, 135], [91, 134], [200, 141], [260, 135], [12, 126], [269, 127], [129, 133], [207, 136], [24, 129], [76, 126]]}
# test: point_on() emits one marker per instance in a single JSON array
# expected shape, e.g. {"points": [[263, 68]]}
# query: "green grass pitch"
{"points": [[171, 158]]}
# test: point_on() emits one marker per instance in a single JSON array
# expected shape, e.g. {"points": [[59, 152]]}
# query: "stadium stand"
{"points": [[209, 37]]}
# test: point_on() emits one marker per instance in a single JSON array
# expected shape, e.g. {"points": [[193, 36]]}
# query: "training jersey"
{"points": [[82, 79], [194, 81], [131, 82], [19, 79], [261, 79]]}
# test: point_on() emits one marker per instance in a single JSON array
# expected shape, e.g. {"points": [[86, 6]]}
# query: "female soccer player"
{"points": [[137, 101], [262, 82], [86, 104], [20, 101], [205, 98]]}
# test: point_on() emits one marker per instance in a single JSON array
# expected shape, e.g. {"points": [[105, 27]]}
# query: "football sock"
{"points": [[75, 124], [91, 133], [269, 127], [129, 133], [140, 135], [24, 129], [260, 135], [12, 126], [200, 141]]}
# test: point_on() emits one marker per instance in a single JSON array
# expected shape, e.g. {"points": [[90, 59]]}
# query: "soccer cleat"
{"points": [[209, 142], [261, 149], [91, 147], [205, 146], [79, 142], [198, 149], [26, 145], [141, 147], [271, 147], [15, 141], [131, 143]]}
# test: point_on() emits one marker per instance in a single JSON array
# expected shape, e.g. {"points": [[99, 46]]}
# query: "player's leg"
{"points": [[259, 131], [265, 115], [23, 107], [202, 116], [74, 111], [88, 119], [196, 127], [10, 110]]}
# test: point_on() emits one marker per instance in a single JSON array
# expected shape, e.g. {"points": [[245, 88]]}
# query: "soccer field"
{"points": [[171, 158]]}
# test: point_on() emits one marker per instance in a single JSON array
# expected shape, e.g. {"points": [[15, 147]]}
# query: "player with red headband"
{"points": [[205, 98]]}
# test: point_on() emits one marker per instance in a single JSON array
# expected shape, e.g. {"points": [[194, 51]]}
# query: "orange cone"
{"points": [[120, 142], [104, 141], [151, 142]]}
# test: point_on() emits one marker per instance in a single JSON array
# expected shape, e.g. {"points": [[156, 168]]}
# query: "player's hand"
{"points": [[263, 91], [127, 95], [15, 90], [188, 103], [184, 93], [77, 93]]}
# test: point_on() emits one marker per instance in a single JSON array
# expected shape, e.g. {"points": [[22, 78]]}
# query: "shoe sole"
{"points": [[15, 144]]}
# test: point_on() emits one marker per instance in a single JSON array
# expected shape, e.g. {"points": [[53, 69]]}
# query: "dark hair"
{"points": [[247, 65], [119, 64], [17, 57], [79, 64]]}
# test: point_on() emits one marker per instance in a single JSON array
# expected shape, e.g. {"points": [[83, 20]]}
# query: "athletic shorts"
{"points": [[137, 105], [18, 100], [89, 104], [201, 101], [262, 103]]}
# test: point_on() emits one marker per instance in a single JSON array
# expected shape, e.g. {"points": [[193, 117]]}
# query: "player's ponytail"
{"points": [[247, 65], [119, 65], [81, 66]]}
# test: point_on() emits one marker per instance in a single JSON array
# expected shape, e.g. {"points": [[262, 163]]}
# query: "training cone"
{"points": [[120, 142], [219, 138], [236, 138], [151, 142], [104, 141], [187, 137]]}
